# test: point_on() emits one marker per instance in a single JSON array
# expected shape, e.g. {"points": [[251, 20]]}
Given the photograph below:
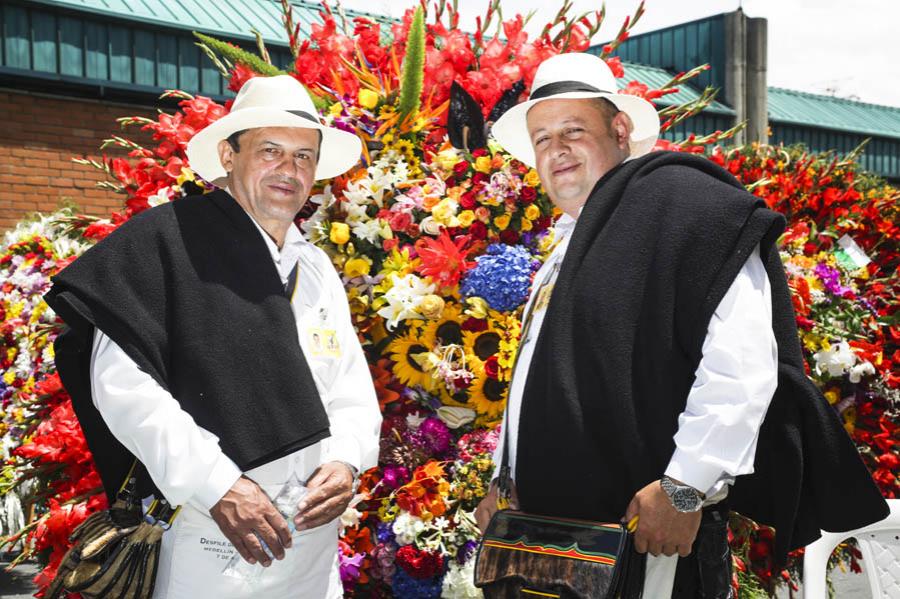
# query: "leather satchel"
{"points": [[115, 552], [530, 556]]}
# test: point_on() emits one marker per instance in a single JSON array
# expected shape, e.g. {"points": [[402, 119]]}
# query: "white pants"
{"points": [[194, 551], [659, 578]]}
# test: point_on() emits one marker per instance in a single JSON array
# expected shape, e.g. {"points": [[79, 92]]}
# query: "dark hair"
{"points": [[233, 140], [235, 143], [607, 109]]}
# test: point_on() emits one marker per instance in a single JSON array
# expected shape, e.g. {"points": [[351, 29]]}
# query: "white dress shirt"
{"points": [[184, 460], [735, 380]]}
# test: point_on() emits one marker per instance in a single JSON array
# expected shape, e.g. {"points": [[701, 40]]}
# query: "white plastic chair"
{"points": [[879, 544]]}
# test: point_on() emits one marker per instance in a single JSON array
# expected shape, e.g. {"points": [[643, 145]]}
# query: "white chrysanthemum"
{"points": [[403, 299], [836, 360], [407, 527], [459, 582]]}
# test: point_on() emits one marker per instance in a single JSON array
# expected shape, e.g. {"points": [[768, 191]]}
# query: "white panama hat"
{"points": [[279, 101], [575, 76]]}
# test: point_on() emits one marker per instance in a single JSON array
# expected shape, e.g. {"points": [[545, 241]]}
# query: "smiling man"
{"points": [[659, 377], [192, 347]]}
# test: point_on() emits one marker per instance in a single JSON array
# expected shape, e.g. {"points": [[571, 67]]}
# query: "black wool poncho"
{"points": [[656, 247], [189, 291]]}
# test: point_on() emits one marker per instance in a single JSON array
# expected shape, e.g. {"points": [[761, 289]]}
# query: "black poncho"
{"points": [[656, 247], [189, 291]]}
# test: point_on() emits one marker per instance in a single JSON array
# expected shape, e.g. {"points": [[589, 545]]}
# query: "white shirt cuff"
{"points": [[686, 469], [223, 476], [342, 449]]}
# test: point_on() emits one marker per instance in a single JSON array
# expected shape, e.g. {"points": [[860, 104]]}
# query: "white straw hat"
{"points": [[279, 101], [575, 76]]}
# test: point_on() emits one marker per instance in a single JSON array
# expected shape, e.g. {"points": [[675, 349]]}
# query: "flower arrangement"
{"points": [[436, 235]]}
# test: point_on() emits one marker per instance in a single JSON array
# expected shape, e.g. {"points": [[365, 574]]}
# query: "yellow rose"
{"points": [[466, 218], [368, 98], [483, 164], [526, 225], [431, 307], [532, 212], [357, 267], [501, 222], [444, 211], [532, 179], [340, 233], [447, 158]]}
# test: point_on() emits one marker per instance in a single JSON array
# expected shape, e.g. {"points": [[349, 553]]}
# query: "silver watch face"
{"points": [[686, 499], [683, 497]]}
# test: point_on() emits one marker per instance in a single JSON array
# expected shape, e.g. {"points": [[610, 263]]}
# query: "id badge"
{"points": [[323, 343]]}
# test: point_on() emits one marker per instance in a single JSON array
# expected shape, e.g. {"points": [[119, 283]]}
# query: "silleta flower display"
{"points": [[436, 235]]}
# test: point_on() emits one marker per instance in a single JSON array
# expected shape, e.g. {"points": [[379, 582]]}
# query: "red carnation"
{"points": [[419, 564]]}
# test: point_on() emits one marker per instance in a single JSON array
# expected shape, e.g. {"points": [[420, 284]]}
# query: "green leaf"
{"points": [[413, 66], [235, 55]]}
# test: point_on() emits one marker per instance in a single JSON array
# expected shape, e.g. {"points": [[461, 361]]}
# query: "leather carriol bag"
{"points": [[528, 555], [115, 552], [531, 556]]}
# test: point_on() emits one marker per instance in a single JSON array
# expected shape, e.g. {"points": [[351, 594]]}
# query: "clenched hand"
{"points": [[246, 509], [330, 492], [661, 529]]}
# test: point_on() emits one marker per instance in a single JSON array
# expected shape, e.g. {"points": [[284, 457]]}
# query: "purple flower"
{"points": [[436, 434], [831, 279], [395, 476]]}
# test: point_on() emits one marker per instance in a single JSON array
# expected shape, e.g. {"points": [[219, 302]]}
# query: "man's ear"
{"points": [[226, 155], [622, 128]]}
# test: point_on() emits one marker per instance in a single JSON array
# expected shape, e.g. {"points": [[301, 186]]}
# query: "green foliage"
{"points": [[413, 66], [236, 55]]}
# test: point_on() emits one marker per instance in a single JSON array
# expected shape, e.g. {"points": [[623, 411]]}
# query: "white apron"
{"points": [[194, 551]]}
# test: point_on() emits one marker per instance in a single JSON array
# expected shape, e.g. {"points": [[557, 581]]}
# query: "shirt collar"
{"points": [[293, 239]]}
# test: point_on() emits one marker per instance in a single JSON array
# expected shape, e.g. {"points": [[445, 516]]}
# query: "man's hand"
{"points": [[330, 492], [661, 529], [488, 506], [246, 509]]}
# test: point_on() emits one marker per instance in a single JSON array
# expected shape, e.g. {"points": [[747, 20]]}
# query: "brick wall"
{"points": [[39, 136]]}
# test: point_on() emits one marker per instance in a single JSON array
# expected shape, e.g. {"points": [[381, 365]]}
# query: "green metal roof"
{"points": [[228, 18], [655, 78], [813, 110]]}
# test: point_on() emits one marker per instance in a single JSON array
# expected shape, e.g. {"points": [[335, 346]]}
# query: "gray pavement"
{"points": [[17, 584]]}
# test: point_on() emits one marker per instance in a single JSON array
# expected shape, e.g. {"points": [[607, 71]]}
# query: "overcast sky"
{"points": [[848, 49]]}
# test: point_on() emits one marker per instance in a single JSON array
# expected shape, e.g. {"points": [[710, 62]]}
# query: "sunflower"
{"points": [[403, 350], [448, 328], [483, 344], [487, 396]]}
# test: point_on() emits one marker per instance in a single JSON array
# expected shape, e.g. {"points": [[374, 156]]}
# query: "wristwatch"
{"points": [[684, 498]]}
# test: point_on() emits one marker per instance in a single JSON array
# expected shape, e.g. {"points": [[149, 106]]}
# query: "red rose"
{"points": [[491, 367], [475, 325], [528, 195], [478, 230], [468, 201], [461, 168], [478, 179], [543, 223], [509, 237], [400, 221]]}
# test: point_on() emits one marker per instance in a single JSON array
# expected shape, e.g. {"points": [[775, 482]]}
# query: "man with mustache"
{"points": [[192, 345]]}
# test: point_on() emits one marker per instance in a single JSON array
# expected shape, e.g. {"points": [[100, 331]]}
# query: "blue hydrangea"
{"points": [[405, 586], [501, 277]]}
